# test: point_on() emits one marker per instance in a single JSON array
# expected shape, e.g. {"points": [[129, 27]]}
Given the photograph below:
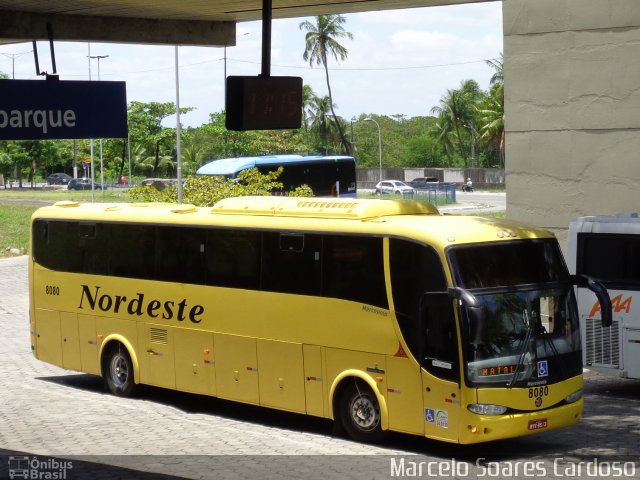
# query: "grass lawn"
{"points": [[14, 227]]}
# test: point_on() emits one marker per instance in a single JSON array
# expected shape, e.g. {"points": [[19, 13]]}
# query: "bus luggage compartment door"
{"points": [[236, 368], [48, 339], [70, 341], [281, 376], [195, 369]]}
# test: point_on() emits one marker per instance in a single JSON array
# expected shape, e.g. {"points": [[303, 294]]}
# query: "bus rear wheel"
{"points": [[360, 412], [118, 371]]}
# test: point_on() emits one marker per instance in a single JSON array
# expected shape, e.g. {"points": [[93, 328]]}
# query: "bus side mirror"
{"points": [[605, 302], [464, 296], [601, 293]]}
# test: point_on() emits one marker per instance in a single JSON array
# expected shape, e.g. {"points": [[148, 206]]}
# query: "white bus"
{"points": [[608, 248]]}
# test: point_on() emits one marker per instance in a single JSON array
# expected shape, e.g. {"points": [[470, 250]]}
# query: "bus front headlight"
{"points": [[574, 397], [487, 409]]}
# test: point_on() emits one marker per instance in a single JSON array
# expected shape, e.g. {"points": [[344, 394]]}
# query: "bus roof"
{"points": [[230, 166], [402, 218]]}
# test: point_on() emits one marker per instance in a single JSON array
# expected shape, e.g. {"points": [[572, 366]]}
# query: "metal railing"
{"points": [[436, 194]]}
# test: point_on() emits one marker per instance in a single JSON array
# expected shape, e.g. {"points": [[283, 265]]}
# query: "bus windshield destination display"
{"points": [[263, 103]]}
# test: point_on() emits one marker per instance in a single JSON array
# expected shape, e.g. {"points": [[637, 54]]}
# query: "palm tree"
{"points": [[491, 115], [456, 114], [442, 131], [321, 41], [317, 116], [498, 70], [492, 111], [307, 97]]}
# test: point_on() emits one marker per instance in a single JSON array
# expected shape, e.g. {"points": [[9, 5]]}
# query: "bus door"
{"points": [[441, 368]]}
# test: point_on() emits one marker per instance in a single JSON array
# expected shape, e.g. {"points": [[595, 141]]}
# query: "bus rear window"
{"points": [[507, 263]]}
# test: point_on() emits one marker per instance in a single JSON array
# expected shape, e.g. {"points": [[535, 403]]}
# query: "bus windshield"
{"points": [[524, 329]]}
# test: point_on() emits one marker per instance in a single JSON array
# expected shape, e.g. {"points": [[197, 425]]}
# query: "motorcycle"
{"points": [[467, 188]]}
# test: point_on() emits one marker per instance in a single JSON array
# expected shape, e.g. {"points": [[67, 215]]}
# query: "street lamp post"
{"points": [[13, 57], [369, 119], [100, 57]]}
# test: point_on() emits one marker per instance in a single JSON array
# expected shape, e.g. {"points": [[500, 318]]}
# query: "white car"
{"points": [[394, 186]]}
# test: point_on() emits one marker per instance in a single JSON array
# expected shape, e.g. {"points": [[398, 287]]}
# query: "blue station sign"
{"points": [[57, 109]]}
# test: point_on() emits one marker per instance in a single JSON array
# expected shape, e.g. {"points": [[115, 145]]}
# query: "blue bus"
{"points": [[327, 175]]}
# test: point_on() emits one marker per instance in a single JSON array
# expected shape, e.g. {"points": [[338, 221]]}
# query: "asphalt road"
{"points": [[479, 202]]}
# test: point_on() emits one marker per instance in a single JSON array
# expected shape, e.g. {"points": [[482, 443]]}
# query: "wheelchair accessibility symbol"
{"points": [[543, 368], [429, 415]]}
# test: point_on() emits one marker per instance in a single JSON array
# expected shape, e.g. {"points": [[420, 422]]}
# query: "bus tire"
{"points": [[359, 412], [118, 371]]}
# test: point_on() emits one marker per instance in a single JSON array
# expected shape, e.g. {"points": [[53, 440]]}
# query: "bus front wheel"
{"points": [[118, 371], [360, 412]]}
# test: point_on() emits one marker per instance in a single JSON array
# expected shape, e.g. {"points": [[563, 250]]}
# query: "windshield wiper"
{"points": [[523, 350]]}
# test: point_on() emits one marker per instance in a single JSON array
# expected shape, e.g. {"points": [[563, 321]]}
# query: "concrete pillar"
{"points": [[572, 109]]}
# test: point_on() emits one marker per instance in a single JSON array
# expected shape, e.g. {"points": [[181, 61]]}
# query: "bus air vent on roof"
{"points": [[322, 207], [184, 208], [66, 204]]}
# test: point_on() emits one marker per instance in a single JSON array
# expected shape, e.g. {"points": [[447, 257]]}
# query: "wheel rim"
{"points": [[119, 370], [365, 413]]}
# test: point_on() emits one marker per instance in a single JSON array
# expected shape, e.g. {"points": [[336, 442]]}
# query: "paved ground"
{"points": [[61, 422]]}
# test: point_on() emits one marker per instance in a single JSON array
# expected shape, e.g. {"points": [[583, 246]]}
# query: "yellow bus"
{"points": [[382, 315]]}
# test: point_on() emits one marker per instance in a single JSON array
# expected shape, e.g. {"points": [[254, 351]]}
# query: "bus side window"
{"points": [[291, 263], [93, 248], [180, 254], [55, 245], [233, 258], [353, 269], [132, 250]]}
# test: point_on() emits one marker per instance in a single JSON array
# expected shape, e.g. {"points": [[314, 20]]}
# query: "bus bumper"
{"points": [[485, 428]]}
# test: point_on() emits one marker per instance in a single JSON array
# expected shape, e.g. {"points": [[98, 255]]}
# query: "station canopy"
{"points": [[166, 22]]}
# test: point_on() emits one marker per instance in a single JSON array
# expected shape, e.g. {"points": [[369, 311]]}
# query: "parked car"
{"points": [[423, 182], [82, 184], [394, 186], [58, 179]]}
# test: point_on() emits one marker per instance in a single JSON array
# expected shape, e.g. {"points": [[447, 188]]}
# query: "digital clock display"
{"points": [[263, 103]]}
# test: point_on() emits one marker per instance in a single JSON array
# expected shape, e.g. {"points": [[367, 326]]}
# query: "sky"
{"points": [[400, 62]]}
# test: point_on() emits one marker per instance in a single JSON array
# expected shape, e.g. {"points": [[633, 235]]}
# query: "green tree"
{"points": [[421, 151], [491, 112], [318, 117], [321, 41], [207, 190], [497, 65], [307, 97], [145, 127], [456, 114]]}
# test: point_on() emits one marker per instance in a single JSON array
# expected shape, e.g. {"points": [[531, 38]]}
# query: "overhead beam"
{"points": [[22, 26]]}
